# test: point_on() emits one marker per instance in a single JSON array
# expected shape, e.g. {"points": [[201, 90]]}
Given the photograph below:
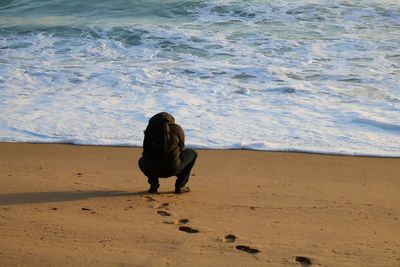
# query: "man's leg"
{"points": [[188, 160], [152, 180], [154, 184]]}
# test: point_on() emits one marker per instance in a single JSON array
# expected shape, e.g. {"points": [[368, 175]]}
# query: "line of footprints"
{"points": [[230, 238], [187, 229]]}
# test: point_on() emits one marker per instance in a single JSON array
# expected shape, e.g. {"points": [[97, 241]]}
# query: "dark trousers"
{"points": [[188, 159]]}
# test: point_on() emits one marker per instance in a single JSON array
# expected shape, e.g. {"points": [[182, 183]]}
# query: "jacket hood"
{"points": [[163, 117]]}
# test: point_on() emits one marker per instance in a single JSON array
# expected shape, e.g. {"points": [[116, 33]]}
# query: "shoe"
{"points": [[183, 189], [153, 188]]}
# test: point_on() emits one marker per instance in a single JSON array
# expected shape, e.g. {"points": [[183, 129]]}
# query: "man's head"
{"points": [[163, 117]]}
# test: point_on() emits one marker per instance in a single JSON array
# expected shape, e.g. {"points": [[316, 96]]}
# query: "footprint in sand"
{"points": [[179, 222], [247, 249], [163, 205], [304, 261], [188, 229], [163, 213], [183, 221], [150, 199], [229, 238]]}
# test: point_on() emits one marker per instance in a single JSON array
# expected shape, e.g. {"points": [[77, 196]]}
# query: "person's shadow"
{"points": [[61, 196]]}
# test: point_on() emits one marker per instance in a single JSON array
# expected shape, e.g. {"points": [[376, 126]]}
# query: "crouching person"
{"points": [[164, 153]]}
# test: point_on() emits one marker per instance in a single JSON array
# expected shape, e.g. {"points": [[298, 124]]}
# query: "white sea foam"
{"points": [[268, 75]]}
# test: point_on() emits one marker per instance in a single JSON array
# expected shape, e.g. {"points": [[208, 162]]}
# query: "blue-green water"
{"points": [[273, 75]]}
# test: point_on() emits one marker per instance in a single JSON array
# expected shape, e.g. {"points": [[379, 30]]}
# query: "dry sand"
{"points": [[87, 206]]}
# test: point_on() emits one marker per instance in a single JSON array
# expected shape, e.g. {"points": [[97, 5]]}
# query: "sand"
{"points": [[87, 206]]}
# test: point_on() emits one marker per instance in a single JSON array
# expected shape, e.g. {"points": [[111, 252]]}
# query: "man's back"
{"points": [[168, 162]]}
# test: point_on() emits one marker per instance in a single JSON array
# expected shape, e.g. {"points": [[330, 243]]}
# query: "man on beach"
{"points": [[164, 153]]}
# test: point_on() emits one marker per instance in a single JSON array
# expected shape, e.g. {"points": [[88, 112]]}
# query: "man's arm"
{"points": [[181, 136]]}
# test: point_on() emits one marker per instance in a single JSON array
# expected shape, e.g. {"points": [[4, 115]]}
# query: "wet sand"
{"points": [[87, 206]]}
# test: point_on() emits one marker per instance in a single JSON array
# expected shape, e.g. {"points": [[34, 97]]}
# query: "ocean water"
{"points": [[316, 76]]}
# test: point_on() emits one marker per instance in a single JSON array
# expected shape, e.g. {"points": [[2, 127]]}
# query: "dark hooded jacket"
{"points": [[168, 165]]}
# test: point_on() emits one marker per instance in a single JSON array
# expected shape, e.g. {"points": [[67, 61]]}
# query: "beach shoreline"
{"points": [[63, 204], [294, 151]]}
